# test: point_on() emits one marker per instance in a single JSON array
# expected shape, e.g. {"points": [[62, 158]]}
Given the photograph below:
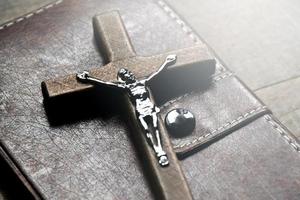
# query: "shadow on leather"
{"points": [[87, 105]]}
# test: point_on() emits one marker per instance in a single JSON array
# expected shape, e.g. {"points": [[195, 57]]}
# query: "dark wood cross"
{"points": [[193, 66]]}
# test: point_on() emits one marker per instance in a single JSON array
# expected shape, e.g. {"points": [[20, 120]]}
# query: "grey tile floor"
{"points": [[260, 41]]}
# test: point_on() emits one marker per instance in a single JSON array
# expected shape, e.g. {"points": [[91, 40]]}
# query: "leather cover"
{"points": [[237, 151]]}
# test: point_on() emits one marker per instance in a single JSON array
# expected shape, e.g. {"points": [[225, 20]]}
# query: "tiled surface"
{"points": [[260, 41]]}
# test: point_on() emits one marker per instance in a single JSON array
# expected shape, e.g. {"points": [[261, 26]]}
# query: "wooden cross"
{"points": [[193, 66]]}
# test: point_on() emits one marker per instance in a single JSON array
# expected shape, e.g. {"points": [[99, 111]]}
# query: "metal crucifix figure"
{"points": [[148, 130], [146, 110]]}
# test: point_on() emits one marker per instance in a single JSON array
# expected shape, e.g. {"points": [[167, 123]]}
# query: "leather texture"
{"points": [[233, 111], [254, 162], [112, 38], [247, 154], [169, 182]]}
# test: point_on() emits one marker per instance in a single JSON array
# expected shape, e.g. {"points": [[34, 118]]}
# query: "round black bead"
{"points": [[180, 122]]}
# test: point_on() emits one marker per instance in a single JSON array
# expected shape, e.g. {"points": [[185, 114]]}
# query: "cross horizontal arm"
{"points": [[170, 60], [196, 57], [85, 77]]}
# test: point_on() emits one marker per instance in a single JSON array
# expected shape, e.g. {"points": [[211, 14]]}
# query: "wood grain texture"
{"points": [[94, 158], [168, 182], [98, 161], [112, 37]]}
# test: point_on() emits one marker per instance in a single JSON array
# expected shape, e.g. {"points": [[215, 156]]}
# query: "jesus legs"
{"points": [[154, 138]]}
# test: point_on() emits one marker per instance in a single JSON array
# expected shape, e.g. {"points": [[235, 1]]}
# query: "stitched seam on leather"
{"points": [[186, 28], [225, 125], [288, 138], [182, 24], [28, 15], [215, 79]]}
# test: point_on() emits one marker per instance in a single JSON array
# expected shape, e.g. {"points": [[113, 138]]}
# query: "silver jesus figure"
{"points": [[146, 110]]}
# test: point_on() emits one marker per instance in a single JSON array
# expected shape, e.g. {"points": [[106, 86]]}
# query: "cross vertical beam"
{"points": [[195, 62]]}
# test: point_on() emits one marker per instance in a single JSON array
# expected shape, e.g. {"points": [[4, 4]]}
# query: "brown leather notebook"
{"points": [[238, 150]]}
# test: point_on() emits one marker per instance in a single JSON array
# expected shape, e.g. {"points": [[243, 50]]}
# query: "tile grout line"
{"points": [[276, 83], [196, 39], [285, 136]]}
